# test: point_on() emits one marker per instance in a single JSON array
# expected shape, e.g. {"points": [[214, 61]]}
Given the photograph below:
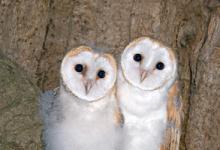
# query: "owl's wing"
{"points": [[119, 118], [173, 130], [46, 103]]}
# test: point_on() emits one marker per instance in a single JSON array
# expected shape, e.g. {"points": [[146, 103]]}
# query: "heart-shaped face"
{"points": [[147, 64], [88, 75]]}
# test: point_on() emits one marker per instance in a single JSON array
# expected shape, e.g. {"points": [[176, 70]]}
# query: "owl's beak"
{"points": [[143, 75], [88, 86]]}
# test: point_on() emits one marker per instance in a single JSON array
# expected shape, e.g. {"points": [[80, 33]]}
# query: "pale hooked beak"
{"points": [[143, 75], [88, 86]]}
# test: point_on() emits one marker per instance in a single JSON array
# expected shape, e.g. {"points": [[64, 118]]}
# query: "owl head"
{"points": [[88, 75], [148, 65]]}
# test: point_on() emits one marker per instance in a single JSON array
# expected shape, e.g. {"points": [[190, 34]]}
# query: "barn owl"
{"points": [[148, 96], [84, 113]]}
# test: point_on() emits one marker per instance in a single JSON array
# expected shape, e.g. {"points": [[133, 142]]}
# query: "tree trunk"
{"points": [[37, 33]]}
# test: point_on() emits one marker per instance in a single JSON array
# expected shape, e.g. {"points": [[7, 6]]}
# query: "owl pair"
{"points": [[87, 112]]}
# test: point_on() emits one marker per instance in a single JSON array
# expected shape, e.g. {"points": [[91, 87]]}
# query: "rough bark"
{"points": [[36, 34], [20, 126], [203, 130]]}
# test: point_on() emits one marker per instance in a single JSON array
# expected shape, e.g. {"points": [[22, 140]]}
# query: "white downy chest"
{"points": [[145, 117]]}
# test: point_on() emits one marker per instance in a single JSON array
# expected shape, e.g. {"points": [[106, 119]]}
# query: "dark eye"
{"points": [[137, 57], [79, 68], [101, 74], [160, 66]]}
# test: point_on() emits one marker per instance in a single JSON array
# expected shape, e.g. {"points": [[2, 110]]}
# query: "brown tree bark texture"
{"points": [[37, 33]]}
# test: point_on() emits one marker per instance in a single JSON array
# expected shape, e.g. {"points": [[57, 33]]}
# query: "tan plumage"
{"points": [[174, 110], [78, 50]]}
